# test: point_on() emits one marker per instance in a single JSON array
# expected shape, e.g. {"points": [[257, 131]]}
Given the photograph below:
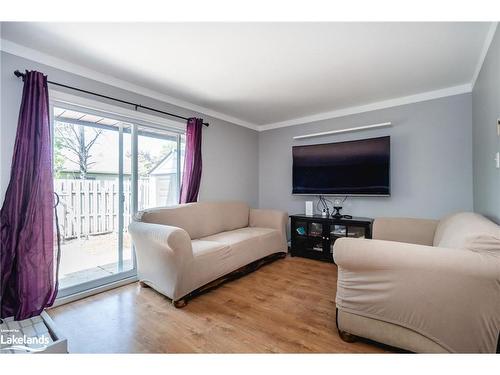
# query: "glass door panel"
{"points": [[90, 177], [356, 232], [158, 164], [301, 228], [336, 231], [316, 244], [316, 230]]}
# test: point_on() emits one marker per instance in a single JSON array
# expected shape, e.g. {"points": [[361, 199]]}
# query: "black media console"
{"points": [[314, 236]]}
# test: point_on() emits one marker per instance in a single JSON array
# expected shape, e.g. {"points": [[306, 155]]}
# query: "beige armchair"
{"points": [[422, 285]]}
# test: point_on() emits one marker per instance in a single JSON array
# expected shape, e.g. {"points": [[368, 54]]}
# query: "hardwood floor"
{"points": [[284, 307]]}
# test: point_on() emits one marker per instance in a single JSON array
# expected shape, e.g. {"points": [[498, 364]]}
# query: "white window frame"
{"points": [[135, 118]]}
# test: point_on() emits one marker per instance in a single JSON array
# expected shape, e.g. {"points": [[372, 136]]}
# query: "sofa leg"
{"points": [[179, 304], [143, 284], [347, 337]]}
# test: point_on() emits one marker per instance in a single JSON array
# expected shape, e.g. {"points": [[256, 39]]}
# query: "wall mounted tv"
{"points": [[360, 167]]}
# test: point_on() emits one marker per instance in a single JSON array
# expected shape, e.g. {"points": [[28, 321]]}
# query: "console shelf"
{"points": [[313, 236]]}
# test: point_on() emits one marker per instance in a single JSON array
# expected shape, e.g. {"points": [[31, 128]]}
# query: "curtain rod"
{"points": [[18, 74]]}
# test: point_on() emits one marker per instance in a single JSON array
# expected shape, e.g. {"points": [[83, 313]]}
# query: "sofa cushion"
{"points": [[238, 248], [201, 247], [250, 243], [200, 219], [464, 229], [239, 235]]}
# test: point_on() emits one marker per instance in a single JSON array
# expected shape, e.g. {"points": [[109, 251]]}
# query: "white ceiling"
{"points": [[266, 73]]}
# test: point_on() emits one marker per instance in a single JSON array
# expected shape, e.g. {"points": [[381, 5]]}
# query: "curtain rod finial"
{"points": [[18, 74]]}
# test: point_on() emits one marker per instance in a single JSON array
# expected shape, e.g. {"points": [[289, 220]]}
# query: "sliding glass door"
{"points": [[104, 170]]}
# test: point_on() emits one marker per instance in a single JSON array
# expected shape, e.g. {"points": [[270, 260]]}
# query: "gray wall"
{"points": [[486, 142], [431, 159], [431, 150], [230, 162]]}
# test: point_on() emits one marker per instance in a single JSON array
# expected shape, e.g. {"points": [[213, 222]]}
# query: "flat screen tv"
{"points": [[360, 167]]}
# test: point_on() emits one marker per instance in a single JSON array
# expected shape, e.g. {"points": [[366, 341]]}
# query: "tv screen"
{"points": [[360, 167]]}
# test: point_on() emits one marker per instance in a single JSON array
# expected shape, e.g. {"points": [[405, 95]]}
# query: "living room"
{"points": [[250, 187]]}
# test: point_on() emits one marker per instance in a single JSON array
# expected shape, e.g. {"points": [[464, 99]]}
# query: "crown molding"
{"points": [[429, 95], [486, 46], [43, 58]]}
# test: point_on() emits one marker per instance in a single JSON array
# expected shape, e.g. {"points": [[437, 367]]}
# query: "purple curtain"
{"points": [[192, 162], [28, 282]]}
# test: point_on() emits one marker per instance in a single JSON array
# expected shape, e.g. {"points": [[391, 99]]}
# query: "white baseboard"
{"points": [[93, 291]]}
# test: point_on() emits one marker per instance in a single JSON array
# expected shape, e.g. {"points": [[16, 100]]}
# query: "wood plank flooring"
{"points": [[284, 307]]}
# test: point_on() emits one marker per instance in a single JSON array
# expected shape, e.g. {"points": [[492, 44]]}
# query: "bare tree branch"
{"points": [[72, 139], [91, 143]]}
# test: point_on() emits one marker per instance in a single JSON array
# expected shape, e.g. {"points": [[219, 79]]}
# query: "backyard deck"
{"points": [[91, 258]]}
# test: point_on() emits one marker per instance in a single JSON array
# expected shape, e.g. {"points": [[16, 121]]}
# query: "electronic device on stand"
{"points": [[337, 213], [325, 211], [337, 206]]}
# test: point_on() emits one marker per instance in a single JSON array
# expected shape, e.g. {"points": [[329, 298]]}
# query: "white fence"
{"points": [[90, 207]]}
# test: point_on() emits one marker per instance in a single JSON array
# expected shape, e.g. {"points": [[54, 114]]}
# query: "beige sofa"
{"points": [[422, 285], [183, 249]]}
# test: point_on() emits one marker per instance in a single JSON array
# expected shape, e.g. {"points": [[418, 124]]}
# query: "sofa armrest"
{"points": [[417, 231], [451, 296], [274, 219], [266, 218], [169, 238], [162, 253], [363, 254]]}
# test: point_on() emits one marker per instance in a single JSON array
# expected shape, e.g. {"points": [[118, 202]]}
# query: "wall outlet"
{"points": [[497, 160]]}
